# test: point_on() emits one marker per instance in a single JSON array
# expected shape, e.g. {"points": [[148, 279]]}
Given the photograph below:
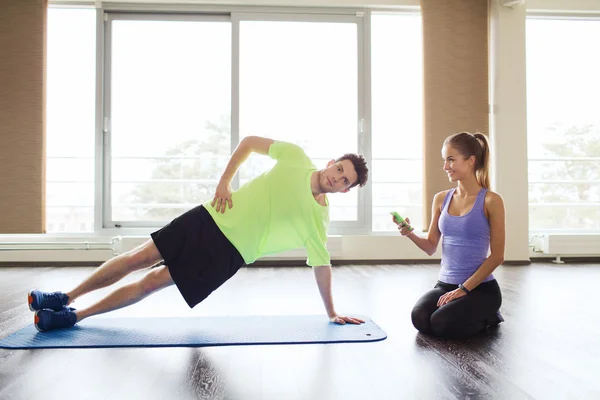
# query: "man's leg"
{"points": [[116, 268], [153, 281], [108, 273]]}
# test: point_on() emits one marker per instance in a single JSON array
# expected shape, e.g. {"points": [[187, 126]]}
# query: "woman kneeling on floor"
{"points": [[470, 220]]}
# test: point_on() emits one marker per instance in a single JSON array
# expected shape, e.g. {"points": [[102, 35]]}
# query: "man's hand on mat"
{"points": [[340, 319], [448, 297], [222, 197]]}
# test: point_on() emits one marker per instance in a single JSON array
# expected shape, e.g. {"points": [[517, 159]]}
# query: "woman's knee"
{"points": [[421, 317], [442, 324]]}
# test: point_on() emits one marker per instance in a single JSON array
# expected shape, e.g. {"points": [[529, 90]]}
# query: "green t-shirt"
{"points": [[276, 211]]}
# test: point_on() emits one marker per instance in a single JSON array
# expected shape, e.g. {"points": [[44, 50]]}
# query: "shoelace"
{"points": [[64, 315], [51, 296]]}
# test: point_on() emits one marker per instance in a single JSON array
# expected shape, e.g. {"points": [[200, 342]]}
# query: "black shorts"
{"points": [[200, 258]]}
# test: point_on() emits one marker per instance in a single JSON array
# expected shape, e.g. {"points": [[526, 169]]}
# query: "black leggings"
{"points": [[459, 318]]}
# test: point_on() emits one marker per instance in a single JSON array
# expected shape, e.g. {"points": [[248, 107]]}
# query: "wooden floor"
{"points": [[548, 348]]}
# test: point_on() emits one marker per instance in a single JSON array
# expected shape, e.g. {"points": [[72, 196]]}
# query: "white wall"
{"points": [[508, 123], [341, 248]]}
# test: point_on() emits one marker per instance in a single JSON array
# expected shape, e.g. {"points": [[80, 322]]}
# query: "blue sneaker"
{"points": [[37, 300], [46, 320]]}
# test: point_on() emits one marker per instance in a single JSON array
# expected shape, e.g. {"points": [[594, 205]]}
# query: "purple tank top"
{"points": [[465, 241]]}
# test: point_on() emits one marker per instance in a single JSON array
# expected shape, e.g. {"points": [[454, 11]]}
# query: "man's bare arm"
{"points": [[248, 145]]}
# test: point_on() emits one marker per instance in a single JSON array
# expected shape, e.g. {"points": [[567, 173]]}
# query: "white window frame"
{"points": [[415, 11], [103, 225], [105, 121], [361, 225], [573, 16], [103, 209]]}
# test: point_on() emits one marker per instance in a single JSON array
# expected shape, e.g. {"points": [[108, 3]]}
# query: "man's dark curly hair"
{"points": [[360, 166]]}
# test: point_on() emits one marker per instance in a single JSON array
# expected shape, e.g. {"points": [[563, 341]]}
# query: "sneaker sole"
{"points": [[36, 320], [30, 301]]}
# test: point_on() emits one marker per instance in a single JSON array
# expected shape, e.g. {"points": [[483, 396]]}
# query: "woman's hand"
{"points": [[448, 297], [404, 228]]}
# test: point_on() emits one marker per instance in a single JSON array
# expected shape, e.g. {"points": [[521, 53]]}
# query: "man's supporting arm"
{"points": [[323, 277]]}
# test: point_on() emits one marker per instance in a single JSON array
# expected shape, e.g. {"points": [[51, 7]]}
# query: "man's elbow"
{"points": [[247, 142], [256, 144]]}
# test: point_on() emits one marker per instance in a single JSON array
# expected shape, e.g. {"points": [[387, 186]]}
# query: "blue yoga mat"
{"points": [[195, 332]]}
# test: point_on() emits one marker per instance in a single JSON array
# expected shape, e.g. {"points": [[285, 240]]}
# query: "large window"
{"points": [[168, 107], [179, 91], [70, 120], [563, 91], [397, 128], [299, 83]]}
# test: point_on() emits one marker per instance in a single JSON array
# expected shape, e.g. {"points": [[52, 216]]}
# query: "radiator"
{"points": [[114, 245], [564, 244]]}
